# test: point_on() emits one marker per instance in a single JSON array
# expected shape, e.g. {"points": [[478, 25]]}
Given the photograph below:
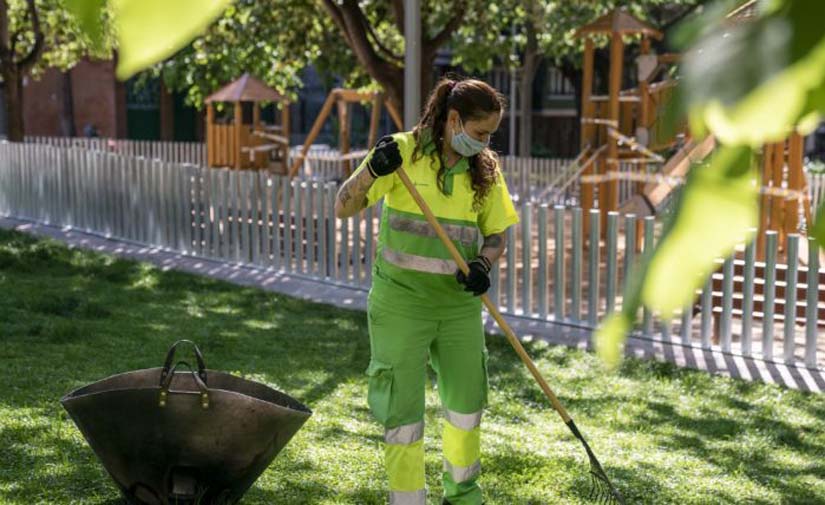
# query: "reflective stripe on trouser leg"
{"points": [[399, 347], [458, 359], [408, 497], [404, 458], [462, 441]]}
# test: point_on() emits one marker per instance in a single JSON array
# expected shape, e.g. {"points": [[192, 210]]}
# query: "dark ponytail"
{"points": [[472, 99]]}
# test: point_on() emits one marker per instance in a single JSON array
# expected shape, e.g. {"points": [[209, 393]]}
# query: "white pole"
{"points": [[513, 105], [412, 62]]}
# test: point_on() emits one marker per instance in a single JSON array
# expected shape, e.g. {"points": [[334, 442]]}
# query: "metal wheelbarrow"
{"points": [[169, 436]]}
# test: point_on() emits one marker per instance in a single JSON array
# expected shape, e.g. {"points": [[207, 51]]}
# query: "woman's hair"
{"points": [[473, 100]]}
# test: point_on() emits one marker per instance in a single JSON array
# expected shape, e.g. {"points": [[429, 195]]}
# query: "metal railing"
{"points": [[551, 272], [816, 189], [528, 178], [176, 152]]}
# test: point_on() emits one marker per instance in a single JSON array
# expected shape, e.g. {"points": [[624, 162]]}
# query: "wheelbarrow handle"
{"points": [[170, 357], [166, 384]]}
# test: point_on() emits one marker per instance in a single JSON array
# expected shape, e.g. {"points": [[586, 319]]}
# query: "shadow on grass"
{"points": [[74, 318]]}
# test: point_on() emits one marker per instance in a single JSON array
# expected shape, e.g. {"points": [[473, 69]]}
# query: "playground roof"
{"points": [[619, 21], [245, 89]]}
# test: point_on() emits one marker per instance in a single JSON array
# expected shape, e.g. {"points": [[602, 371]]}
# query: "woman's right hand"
{"points": [[385, 159]]}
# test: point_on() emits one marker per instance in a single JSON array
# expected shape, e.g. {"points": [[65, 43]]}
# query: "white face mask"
{"points": [[464, 144]]}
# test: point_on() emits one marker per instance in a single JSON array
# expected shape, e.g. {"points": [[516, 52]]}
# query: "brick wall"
{"points": [[97, 97]]}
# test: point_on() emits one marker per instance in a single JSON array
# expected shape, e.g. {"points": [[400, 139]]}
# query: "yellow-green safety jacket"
{"points": [[413, 271]]}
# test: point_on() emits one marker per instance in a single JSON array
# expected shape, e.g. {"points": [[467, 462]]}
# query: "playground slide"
{"points": [[654, 193]]}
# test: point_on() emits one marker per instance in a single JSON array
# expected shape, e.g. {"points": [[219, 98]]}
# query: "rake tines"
{"points": [[602, 490]]}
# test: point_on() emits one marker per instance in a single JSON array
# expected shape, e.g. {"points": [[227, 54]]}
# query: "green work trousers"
{"points": [[401, 347]]}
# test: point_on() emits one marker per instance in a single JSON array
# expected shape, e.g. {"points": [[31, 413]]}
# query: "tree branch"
{"points": [[338, 19], [354, 20], [381, 47], [27, 62], [452, 25], [349, 19]]}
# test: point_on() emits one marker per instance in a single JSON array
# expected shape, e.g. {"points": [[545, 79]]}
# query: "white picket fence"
{"points": [[551, 271]]}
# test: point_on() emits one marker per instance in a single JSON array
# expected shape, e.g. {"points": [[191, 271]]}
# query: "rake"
{"points": [[602, 489]]}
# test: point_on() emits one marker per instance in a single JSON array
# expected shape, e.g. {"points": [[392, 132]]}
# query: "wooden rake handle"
{"points": [[491, 308]]}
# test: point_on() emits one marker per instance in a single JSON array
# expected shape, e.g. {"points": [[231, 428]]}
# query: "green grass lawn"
{"points": [[665, 435]]}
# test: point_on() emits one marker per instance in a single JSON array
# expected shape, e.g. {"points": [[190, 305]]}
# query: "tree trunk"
{"points": [[528, 75], [13, 94], [13, 71], [376, 60], [67, 127], [426, 80], [574, 75], [525, 120]]}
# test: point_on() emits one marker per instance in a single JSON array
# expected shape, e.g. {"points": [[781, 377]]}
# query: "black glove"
{"points": [[477, 281], [385, 159]]}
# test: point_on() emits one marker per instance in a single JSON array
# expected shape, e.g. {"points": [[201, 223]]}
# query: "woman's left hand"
{"points": [[477, 281]]}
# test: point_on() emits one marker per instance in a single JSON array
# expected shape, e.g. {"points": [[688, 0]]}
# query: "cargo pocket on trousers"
{"points": [[379, 395], [484, 373]]}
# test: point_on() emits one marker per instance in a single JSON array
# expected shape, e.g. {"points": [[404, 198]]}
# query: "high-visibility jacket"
{"points": [[413, 272]]}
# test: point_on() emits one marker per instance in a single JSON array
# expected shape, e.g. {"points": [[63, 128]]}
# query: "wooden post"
{"points": [[285, 120], [344, 136], [256, 158], [237, 131], [601, 169], [795, 178], [313, 133], [286, 128], [765, 201], [616, 64], [644, 121], [626, 118], [587, 129], [777, 202], [394, 115], [210, 134], [644, 89]]}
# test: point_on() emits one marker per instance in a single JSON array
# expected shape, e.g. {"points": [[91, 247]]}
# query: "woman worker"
{"points": [[421, 308]]}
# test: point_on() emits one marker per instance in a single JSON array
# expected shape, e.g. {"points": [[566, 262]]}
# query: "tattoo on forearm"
{"points": [[352, 195], [345, 196], [493, 247], [493, 241]]}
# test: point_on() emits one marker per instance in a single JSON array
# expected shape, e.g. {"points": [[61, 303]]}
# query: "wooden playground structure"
{"points": [[342, 100], [242, 140], [627, 126]]}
